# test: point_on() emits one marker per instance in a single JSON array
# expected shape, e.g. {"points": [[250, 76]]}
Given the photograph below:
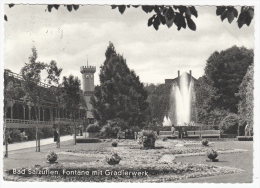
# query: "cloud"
{"points": [[69, 38]]}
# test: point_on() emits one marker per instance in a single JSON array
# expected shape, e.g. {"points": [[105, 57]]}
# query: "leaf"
{"points": [[157, 10], [75, 7], [241, 19], [5, 17], [169, 14], [223, 15], [56, 6], [191, 24], [182, 9], [147, 9], [135, 6], [156, 23], [230, 16], [169, 17], [188, 13], [11, 5], [162, 19], [248, 18], [193, 11], [220, 10], [251, 12], [113, 6], [178, 21], [150, 21], [235, 12], [49, 7], [69, 7], [121, 8]]}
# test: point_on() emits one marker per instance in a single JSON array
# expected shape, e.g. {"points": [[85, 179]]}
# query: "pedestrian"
{"points": [[56, 137], [172, 130]]}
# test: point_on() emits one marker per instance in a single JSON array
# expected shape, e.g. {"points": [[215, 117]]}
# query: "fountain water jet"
{"points": [[182, 100]]}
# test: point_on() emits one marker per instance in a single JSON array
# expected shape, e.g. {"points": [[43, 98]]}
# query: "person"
{"points": [[172, 130], [23, 136], [56, 137], [246, 130]]}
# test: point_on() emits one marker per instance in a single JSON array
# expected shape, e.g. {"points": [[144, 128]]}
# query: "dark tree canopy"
{"points": [[246, 94], [120, 94], [226, 69]]}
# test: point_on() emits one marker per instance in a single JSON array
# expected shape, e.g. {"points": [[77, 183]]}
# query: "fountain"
{"points": [[182, 110]]}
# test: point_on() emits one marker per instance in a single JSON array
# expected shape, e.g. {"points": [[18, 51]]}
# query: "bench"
{"points": [[203, 133], [169, 134]]}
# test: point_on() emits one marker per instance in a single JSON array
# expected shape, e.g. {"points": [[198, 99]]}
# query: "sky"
{"points": [[73, 38]]}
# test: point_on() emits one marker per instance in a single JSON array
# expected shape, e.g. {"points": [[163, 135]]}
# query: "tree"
{"points": [[226, 70], [35, 93], [246, 94], [120, 94], [72, 95], [179, 15], [158, 99]]}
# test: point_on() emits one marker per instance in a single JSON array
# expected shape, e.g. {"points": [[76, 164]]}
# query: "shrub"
{"points": [[113, 159], [165, 139], [15, 135], [147, 139], [245, 138], [205, 142], [110, 130], [114, 144], [87, 140], [212, 154], [93, 128], [52, 156]]}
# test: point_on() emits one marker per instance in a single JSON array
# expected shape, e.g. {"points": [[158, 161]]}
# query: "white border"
{"points": [[255, 3]]}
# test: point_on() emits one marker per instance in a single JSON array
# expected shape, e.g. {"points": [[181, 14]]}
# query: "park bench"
{"points": [[203, 133], [168, 134]]}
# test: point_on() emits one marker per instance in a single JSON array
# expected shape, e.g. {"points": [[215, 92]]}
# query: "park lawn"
{"points": [[92, 156]]}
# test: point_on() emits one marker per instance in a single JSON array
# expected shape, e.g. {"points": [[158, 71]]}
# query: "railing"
{"points": [[67, 120], [19, 77], [20, 121]]}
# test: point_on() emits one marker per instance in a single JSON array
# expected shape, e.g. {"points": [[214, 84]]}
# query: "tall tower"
{"points": [[88, 87]]}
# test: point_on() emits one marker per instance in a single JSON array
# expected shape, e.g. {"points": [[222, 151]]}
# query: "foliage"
{"points": [[93, 128], [181, 16], [113, 159], [88, 140], [246, 94], [110, 130], [165, 139], [212, 154], [52, 156], [245, 138], [114, 144], [229, 124], [226, 70], [120, 94], [31, 74], [205, 142], [158, 99], [73, 95], [147, 139]]}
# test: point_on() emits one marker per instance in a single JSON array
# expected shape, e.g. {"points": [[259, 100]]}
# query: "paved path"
{"points": [[30, 144]]}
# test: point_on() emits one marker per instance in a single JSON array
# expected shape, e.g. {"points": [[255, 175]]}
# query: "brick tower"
{"points": [[88, 87]]}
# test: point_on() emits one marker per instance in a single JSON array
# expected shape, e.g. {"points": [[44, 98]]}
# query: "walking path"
{"points": [[30, 144]]}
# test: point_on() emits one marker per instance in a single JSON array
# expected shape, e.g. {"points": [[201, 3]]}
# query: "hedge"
{"points": [[88, 140], [245, 138]]}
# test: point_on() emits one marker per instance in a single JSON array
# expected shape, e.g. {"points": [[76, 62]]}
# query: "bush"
{"points": [[15, 135], [229, 124], [52, 156], [114, 144], [87, 140], [245, 138], [109, 130], [147, 139], [212, 154], [165, 139], [205, 142], [113, 159], [92, 128]]}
